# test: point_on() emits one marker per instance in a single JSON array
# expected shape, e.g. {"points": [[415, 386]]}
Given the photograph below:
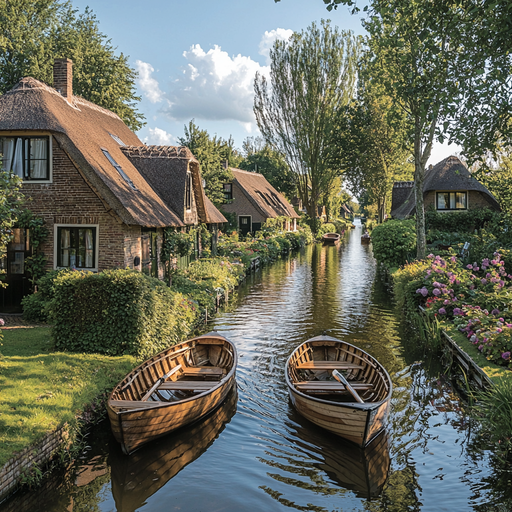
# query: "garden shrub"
{"points": [[463, 221], [118, 312], [35, 305], [327, 227], [394, 242]]}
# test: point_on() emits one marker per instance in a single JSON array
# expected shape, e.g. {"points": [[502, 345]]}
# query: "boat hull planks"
{"points": [[336, 409], [192, 390]]}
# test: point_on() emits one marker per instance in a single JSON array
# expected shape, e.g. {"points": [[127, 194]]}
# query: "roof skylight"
{"points": [[118, 169]]}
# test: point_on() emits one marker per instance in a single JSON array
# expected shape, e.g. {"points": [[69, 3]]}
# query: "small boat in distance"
{"points": [[353, 404], [173, 388], [330, 238], [366, 238]]}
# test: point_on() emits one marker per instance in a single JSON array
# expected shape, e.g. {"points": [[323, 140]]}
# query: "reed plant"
{"points": [[494, 406]]}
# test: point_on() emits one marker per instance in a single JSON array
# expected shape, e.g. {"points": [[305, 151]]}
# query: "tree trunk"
{"points": [[419, 177]]}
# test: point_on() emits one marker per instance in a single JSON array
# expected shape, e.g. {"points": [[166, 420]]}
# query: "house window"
{"points": [[451, 200], [118, 168], [76, 247], [188, 192], [228, 191], [26, 157]]}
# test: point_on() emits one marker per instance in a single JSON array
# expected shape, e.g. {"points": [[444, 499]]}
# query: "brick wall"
{"points": [[242, 206], [475, 200], [37, 454], [70, 200]]}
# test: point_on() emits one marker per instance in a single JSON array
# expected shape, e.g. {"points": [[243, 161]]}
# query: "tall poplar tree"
{"points": [[312, 75]]}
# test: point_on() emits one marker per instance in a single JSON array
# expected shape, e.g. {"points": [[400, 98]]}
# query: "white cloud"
{"points": [[147, 83], [269, 38], [214, 86], [160, 137]]}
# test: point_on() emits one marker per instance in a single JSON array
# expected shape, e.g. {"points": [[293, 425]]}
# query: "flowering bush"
{"points": [[466, 295]]}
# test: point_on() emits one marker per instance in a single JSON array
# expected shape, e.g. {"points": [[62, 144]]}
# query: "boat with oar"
{"points": [[339, 387], [172, 389], [330, 238]]}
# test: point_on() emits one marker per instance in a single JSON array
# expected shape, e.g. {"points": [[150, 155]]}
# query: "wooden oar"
{"points": [[340, 378], [159, 382]]}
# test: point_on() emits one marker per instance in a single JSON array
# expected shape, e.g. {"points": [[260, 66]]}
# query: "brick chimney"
{"points": [[63, 77]]}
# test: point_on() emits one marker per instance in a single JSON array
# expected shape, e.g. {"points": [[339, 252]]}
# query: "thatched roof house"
{"points": [[104, 195], [254, 200], [448, 187]]}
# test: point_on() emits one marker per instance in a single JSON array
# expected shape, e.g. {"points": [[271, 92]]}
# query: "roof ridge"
{"points": [[246, 172], [155, 151]]}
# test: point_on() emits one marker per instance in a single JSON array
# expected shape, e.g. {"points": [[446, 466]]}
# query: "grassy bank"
{"points": [[42, 389]]}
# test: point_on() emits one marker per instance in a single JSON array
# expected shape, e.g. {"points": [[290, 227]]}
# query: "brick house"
{"points": [[254, 200], [448, 187], [104, 196]]}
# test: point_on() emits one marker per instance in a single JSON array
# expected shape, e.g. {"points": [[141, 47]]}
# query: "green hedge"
{"points": [[394, 242], [117, 312]]}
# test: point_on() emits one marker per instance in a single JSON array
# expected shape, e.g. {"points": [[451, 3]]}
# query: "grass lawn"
{"points": [[493, 371], [41, 389]]}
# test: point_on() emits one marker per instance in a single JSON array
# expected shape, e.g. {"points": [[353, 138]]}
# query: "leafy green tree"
{"points": [[311, 76], [11, 205], [212, 153], [260, 157], [34, 33], [374, 140]]}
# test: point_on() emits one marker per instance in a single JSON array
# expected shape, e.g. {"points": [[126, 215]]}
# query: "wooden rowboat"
{"points": [[366, 238], [330, 238], [138, 477], [353, 404], [174, 388]]}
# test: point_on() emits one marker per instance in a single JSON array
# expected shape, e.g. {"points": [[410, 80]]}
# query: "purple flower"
{"points": [[483, 281], [423, 291], [480, 347], [442, 311], [501, 284], [485, 262], [476, 269], [494, 262], [436, 292], [446, 302], [501, 320], [470, 267], [453, 259], [506, 356], [497, 254], [498, 330], [430, 256], [458, 312], [2, 321], [495, 312]]}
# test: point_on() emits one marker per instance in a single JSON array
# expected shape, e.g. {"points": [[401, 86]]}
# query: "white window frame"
{"points": [[56, 249], [50, 151]]}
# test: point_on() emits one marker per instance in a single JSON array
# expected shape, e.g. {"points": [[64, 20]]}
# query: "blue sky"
{"points": [[197, 59]]}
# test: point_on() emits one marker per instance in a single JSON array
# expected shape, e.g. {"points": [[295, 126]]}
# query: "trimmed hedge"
{"points": [[117, 312], [394, 242]]}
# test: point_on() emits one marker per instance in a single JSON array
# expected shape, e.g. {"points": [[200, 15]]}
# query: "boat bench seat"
{"points": [[203, 371], [188, 385], [328, 386], [329, 365]]}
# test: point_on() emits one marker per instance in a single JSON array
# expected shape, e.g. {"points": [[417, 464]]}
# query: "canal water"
{"points": [[255, 453]]}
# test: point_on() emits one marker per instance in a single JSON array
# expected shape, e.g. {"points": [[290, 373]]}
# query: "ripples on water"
{"points": [[257, 454]]}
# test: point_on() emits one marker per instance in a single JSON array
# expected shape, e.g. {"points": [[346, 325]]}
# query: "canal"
{"points": [[257, 454]]}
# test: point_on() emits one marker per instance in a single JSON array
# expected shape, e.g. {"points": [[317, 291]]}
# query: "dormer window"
{"points": [[451, 201], [26, 157], [188, 192]]}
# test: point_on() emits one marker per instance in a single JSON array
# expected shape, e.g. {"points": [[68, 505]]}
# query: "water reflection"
{"points": [[137, 477]]}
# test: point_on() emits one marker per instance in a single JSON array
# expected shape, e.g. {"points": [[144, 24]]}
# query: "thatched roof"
{"points": [[263, 195], [447, 175], [83, 129]]}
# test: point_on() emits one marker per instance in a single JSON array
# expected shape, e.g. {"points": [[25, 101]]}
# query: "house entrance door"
{"points": [[244, 224]]}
